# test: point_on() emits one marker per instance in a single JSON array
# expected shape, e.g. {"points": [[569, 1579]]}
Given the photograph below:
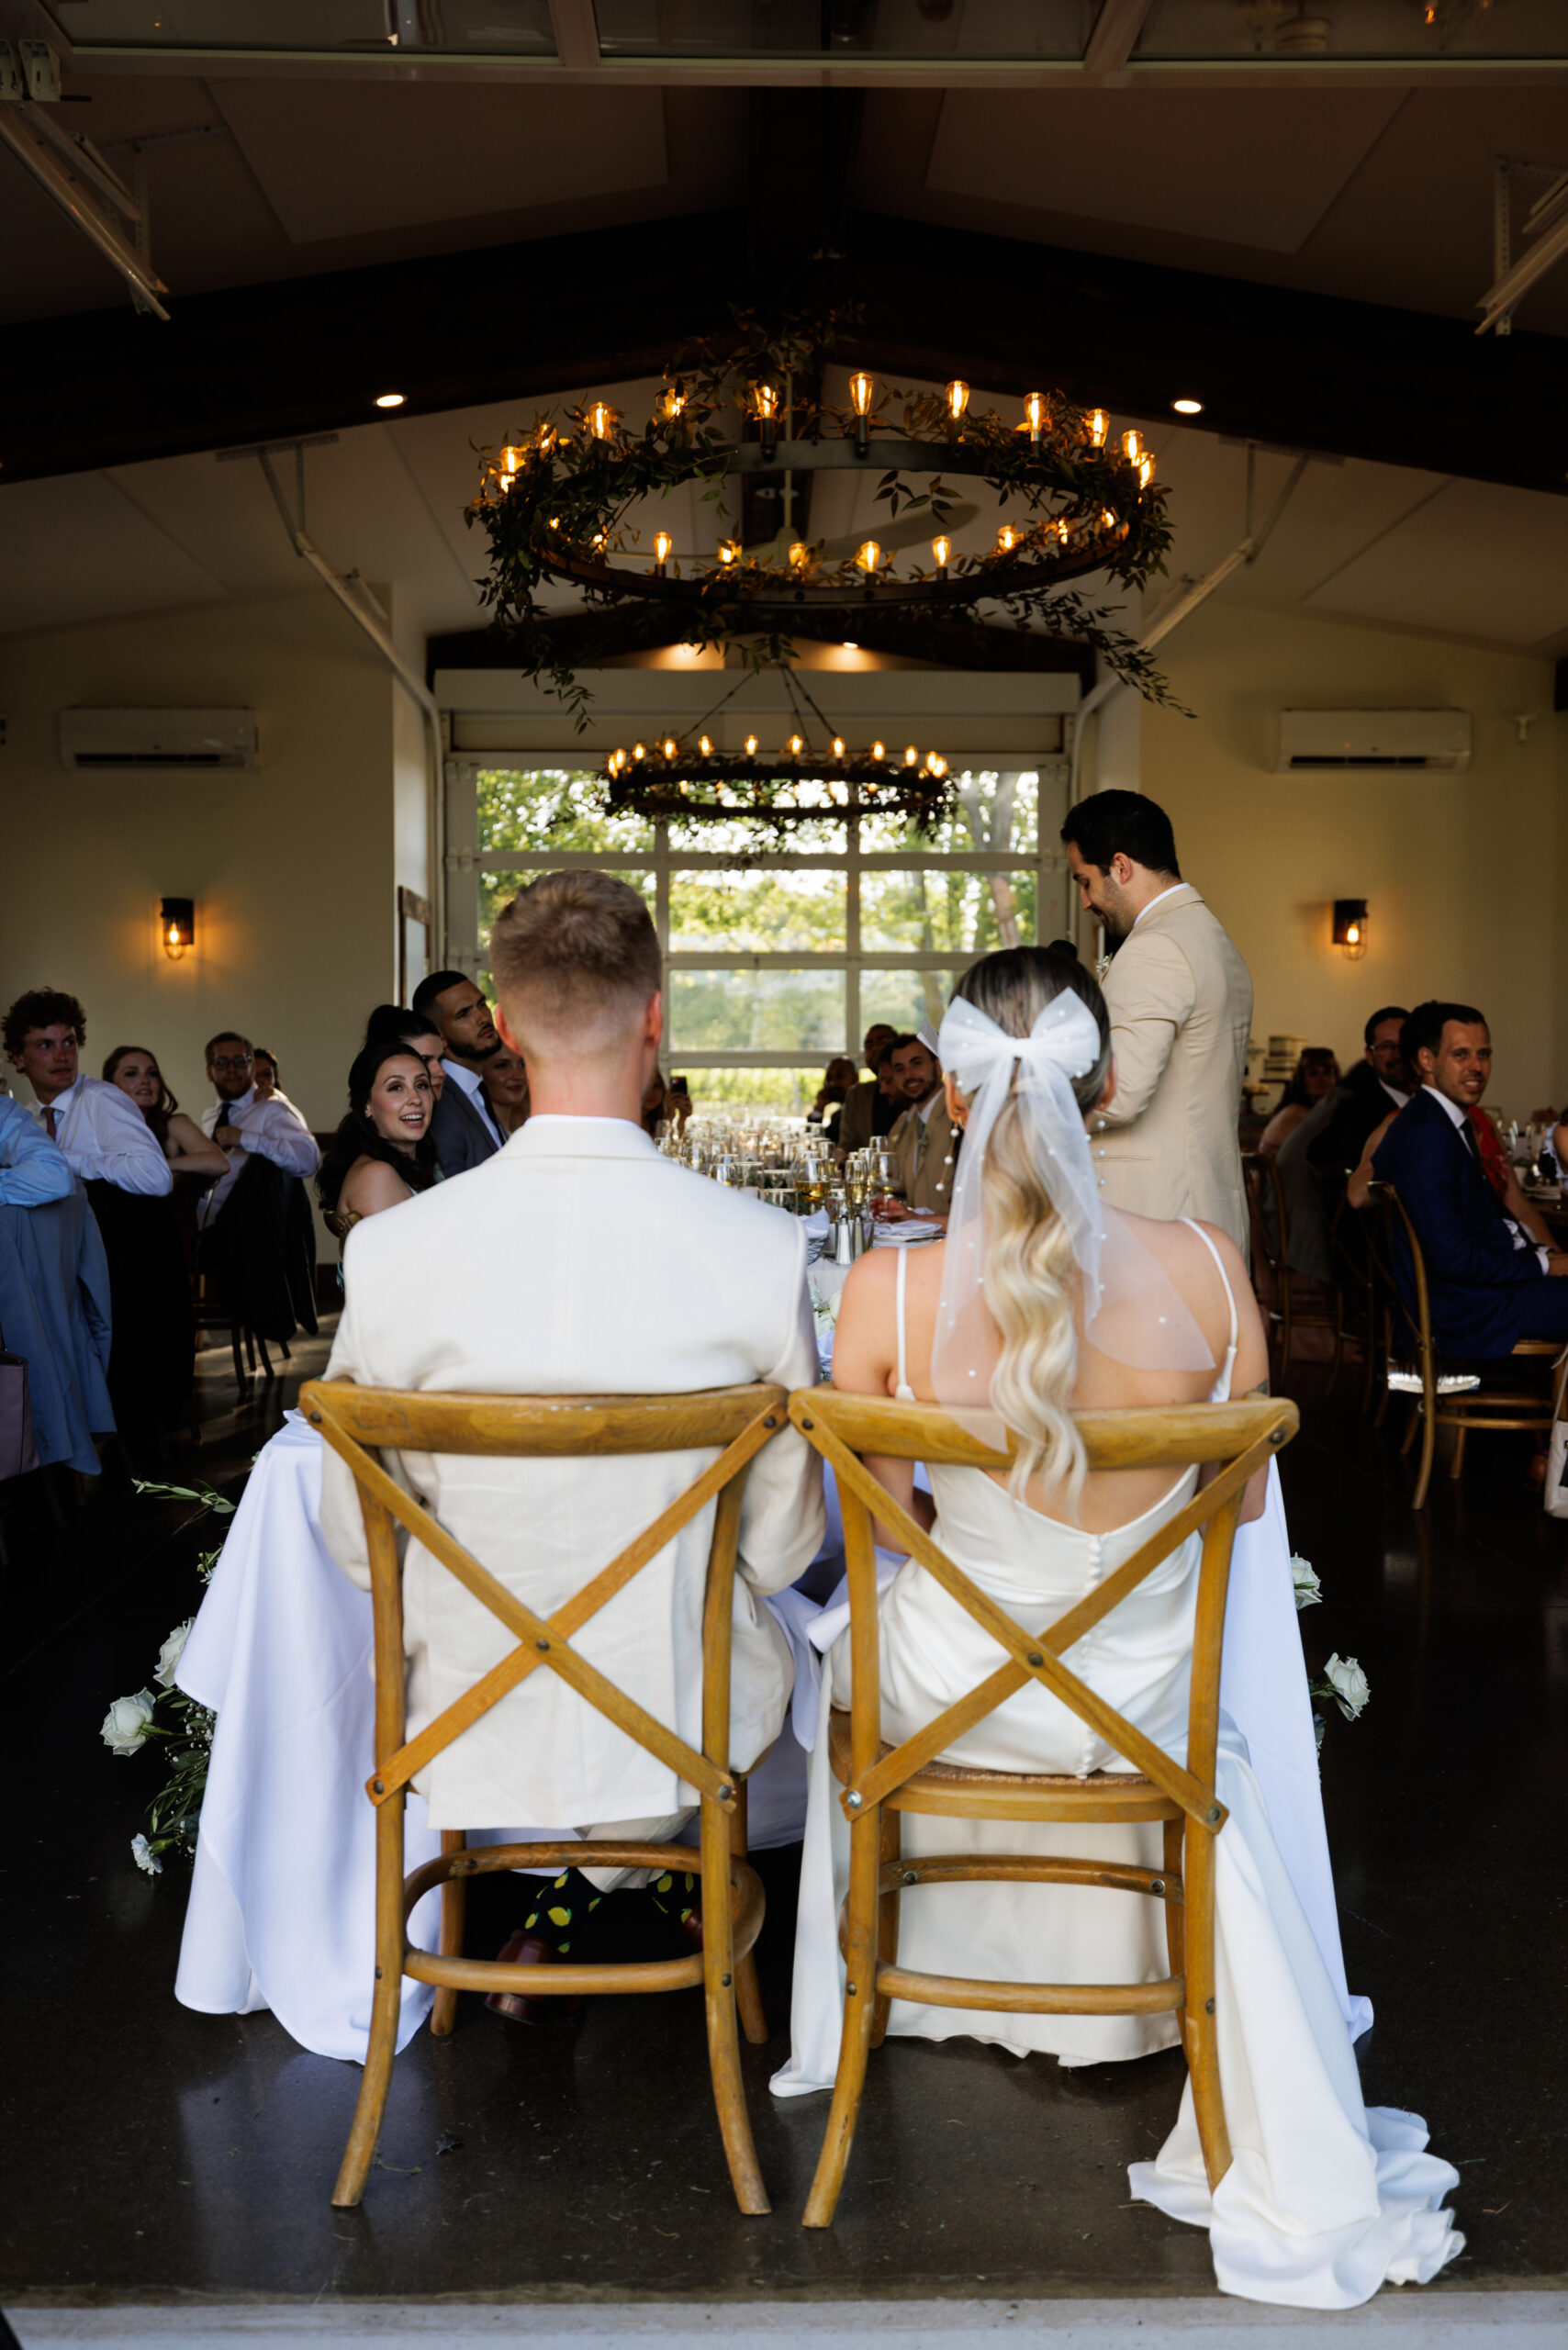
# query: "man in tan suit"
{"points": [[864, 1116], [925, 1137], [1181, 1003]]}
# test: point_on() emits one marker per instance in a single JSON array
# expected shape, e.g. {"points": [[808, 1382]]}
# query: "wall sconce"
{"points": [[1351, 927], [176, 926]]}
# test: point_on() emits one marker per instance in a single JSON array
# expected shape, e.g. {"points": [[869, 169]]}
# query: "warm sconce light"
{"points": [[176, 926], [1351, 927]]}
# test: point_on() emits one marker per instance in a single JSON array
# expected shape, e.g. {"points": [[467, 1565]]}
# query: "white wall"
{"points": [[1466, 876]]}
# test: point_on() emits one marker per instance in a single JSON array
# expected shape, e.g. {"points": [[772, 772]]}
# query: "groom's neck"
{"points": [[586, 1089]]}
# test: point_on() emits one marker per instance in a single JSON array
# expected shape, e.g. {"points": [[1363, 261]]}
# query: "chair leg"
{"points": [[724, 2041], [1411, 1425], [1201, 2039], [1284, 1328], [749, 1990], [1175, 1935], [240, 1378], [887, 1922], [1339, 1339], [859, 2008], [360, 2152], [454, 1913], [1460, 1430], [1429, 1447]]}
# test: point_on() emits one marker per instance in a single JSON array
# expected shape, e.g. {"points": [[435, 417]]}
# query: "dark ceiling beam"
{"points": [[588, 639], [536, 319]]}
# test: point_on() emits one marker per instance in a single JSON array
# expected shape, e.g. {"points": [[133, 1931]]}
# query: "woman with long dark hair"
{"points": [[136, 1072], [382, 1153]]}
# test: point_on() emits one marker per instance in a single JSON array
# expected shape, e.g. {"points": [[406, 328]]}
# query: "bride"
{"points": [[1039, 1303]]}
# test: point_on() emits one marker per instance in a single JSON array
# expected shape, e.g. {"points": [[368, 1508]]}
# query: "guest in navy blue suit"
{"points": [[1492, 1273]]}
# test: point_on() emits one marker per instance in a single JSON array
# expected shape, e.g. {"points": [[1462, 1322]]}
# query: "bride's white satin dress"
{"points": [[1326, 2199]]}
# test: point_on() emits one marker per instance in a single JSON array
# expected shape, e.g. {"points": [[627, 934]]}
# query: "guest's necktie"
{"points": [[49, 1124]]}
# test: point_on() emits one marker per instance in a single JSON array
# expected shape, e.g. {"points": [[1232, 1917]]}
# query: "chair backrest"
{"points": [[1238, 1438], [1267, 1195], [357, 1422], [1391, 1219]]}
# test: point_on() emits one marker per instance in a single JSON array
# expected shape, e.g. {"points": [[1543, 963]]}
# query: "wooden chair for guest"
{"points": [[357, 1422], [1449, 1393], [1287, 1304], [881, 1783]]}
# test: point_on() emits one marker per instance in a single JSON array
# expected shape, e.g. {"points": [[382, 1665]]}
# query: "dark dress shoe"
{"points": [[529, 1950]]}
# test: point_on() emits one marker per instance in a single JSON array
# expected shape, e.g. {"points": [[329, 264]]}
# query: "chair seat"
{"points": [[1020, 1794]]}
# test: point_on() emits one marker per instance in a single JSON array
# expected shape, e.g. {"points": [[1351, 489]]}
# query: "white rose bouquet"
{"points": [[130, 1722], [1342, 1682]]}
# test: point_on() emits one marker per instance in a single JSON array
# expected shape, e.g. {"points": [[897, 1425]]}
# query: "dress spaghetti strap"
{"points": [[904, 1392], [1221, 1394]]}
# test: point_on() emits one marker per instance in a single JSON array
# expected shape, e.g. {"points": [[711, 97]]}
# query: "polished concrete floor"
{"points": [[156, 2155]]}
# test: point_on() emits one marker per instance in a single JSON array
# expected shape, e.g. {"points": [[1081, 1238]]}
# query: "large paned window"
{"points": [[778, 958]]}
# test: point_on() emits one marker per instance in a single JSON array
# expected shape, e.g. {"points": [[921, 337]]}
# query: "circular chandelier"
{"points": [[558, 506]]}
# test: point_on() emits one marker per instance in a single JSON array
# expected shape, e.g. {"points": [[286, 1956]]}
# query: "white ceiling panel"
{"points": [[77, 549], [1258, 173], [1476, 561], [343, 159]]}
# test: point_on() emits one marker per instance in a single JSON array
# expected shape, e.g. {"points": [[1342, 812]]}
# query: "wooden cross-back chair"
{"points": [[357, 1422], [880, 1782], [1285, 1309], [1451, 1396]]}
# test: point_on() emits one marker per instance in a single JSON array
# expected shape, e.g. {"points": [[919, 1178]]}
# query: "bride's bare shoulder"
{"points": [[1178, 1247]]}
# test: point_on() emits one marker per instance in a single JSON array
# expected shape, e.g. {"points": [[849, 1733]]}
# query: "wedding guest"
{"points": [[391, 1023], [1312, 1081], [129, 1181], [246, 1127], [1560, 1150], [136, 1072], [870, 1108], [505, 1090], [1181, 1003], [466, 1131], [651, 1281], [1494, 1275], [55, 1295], [104, 1136], [838, 1079], [382, 1153], [925, 1138], [264, 1068], [1316, 1159], [1002, 1311]]}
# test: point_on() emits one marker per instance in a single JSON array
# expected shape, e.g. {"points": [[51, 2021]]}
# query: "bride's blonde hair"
{"points": [[1031, 1275]]}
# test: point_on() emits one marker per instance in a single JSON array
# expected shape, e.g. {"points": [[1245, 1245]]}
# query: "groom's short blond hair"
{"points": [[575, 959]]}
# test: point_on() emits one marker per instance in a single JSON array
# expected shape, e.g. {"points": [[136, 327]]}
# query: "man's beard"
{"points": [[477, 1052]]}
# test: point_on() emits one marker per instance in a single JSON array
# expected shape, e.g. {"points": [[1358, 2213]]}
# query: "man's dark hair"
{"points": [[225, 1037], [42, 1008], [885, 1052], [899, 1042], [427, 989], [1123, 822], [1423, 1032], [1389, 1012]]}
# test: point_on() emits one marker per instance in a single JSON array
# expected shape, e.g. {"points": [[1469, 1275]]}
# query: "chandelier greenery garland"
{"points": [[556, 504]]}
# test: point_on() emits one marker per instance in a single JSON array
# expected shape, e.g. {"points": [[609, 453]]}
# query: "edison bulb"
{"points": [[1034, 413], [941, 550], [729, 552], [669, 747], [1007, 538], [1146, 473], [751, 746], [878, 750], [799, 555], [797, 744], [838, 746], [671, 403], [869, 556], [704, 744], [1098, 424], [862, 392], [911, 757], [1132, 447], [602, 420], [957, 398], [639, 750], [663, 543]]}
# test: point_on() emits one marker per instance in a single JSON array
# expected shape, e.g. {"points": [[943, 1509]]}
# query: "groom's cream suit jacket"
{"points": [[1181, 1003], [580, 1261]]}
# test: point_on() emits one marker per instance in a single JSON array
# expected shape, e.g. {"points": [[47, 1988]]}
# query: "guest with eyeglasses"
{"points": [[245, 1124]]}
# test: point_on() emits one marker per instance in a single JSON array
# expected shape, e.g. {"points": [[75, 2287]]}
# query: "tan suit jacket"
{"points": [[926, 1149], [578, 1261], [1180, 1004]]}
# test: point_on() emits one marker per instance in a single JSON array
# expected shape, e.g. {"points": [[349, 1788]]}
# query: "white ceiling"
{"points": [[1460, 559]]}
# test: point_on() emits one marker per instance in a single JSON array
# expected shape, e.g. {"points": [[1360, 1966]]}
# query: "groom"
{"points": [[578, 1262]]}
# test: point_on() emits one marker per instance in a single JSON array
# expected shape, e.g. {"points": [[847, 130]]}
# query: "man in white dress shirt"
{"points": [[248, 1124], [1181, 1003], [102, 1133], [580, 1260]]}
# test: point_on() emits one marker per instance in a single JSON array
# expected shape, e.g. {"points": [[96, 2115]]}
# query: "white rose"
{"points": [[1352, 1688], [169, 1655], [1304, 1575], [125, 1724], [146, 1858]]}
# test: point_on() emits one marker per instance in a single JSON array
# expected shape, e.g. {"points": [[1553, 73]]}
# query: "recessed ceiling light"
{"points": [[850, 648], [388, 400], [1188, 408]]}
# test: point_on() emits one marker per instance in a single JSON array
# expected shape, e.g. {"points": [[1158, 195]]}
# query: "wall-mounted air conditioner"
{"points": [[1335, 741], [170, 739]]}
